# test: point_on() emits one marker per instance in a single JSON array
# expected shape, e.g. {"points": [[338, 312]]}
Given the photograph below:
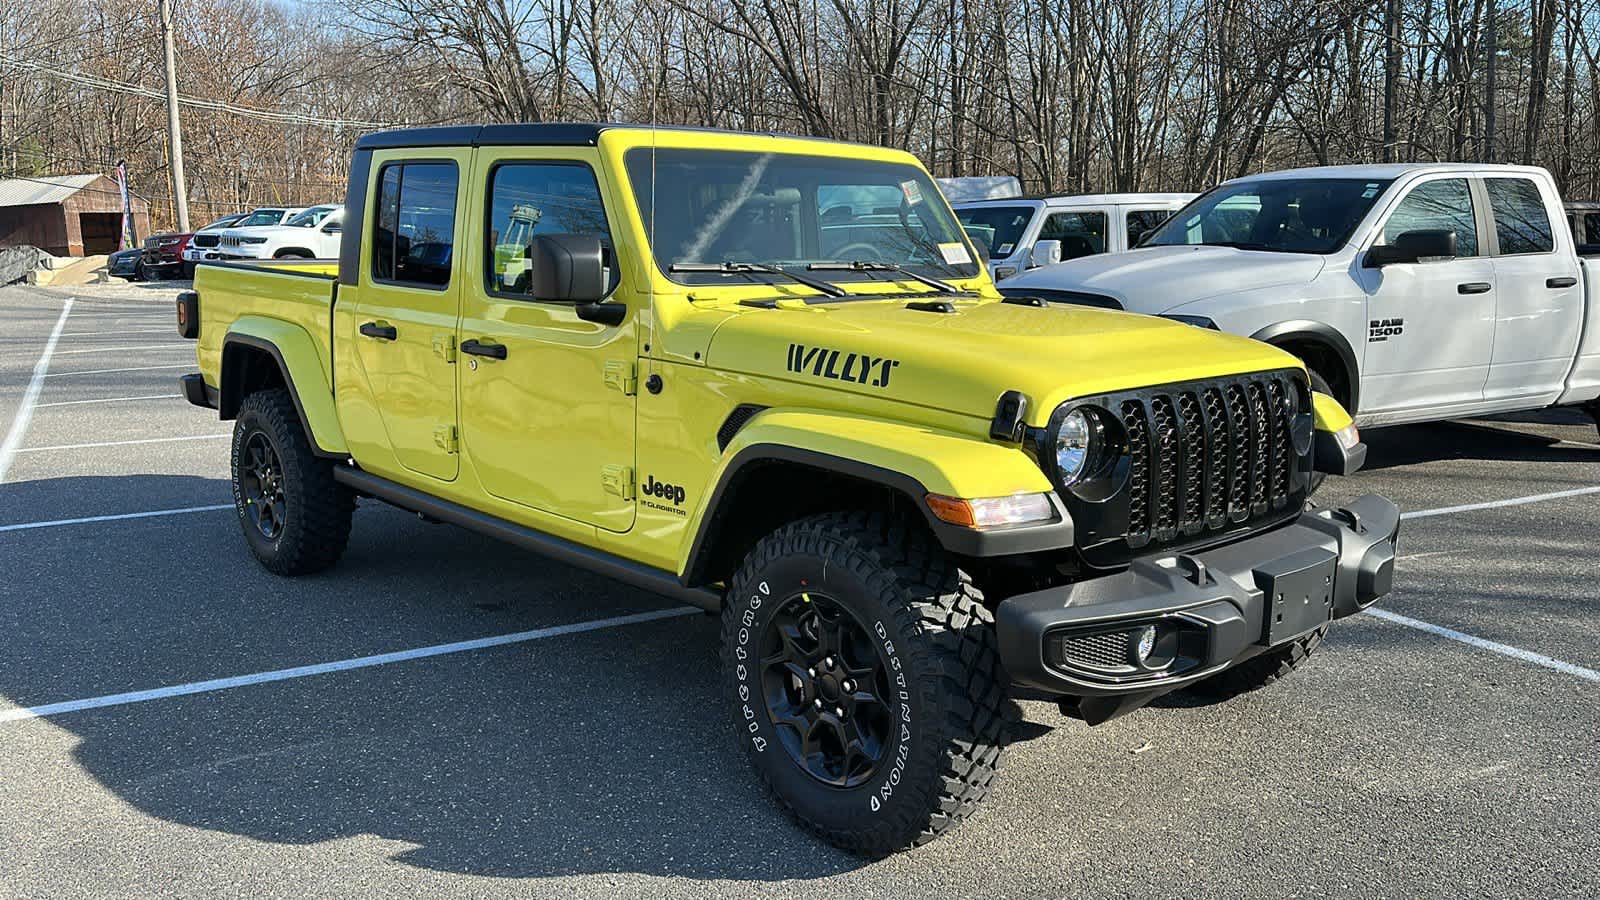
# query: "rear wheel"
{"points": [[294, 515], [1259, 671], [865, 682]]}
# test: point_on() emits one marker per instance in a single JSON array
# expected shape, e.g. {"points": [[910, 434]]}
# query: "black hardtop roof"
{"points": [[541, 134]]}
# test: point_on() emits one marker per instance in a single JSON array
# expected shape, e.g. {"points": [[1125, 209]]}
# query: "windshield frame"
{"points": [[1379, 186], [638, 190]]}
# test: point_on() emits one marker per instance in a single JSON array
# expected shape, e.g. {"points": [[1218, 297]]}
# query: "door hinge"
{"points": [[617, 480], [445, 437], [444, 347], [620, 374]]}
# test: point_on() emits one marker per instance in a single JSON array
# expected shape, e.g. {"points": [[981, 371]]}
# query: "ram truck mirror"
{"points": [[1414, 246], [1046, 253]]}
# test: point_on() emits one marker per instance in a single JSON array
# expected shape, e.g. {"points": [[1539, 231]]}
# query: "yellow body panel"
{"points": [[546, 433]]}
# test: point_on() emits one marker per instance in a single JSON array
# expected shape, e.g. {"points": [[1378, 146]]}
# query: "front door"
{"points": [[408, 305], [547, 399], [1430, 324]]}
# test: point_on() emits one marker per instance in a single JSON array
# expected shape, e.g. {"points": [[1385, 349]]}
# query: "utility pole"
{"points": [[1488, 106], [1391, 76], [180, 194]]}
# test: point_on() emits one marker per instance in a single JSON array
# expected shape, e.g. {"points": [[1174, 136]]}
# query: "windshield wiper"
{"points": [[728, 267], [862, 265]]}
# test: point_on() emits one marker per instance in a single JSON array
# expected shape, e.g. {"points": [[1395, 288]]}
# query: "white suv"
{"points": [[1026, 232], [313, 234]]}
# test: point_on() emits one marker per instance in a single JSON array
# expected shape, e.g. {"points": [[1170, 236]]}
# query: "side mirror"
{"points": [[332, 228], [1414, 246], [1046, 253], [571, 268]]}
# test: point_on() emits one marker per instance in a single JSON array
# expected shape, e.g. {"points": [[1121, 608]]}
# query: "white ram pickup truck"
{"points": [[1413, 292]]}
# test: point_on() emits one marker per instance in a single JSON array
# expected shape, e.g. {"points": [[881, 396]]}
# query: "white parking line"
{"points": [[117, 331], [118, 517], [166, 440], [187, 365], [1499, 504], [107, 400], [1537, 659], [41, 369], [343, 665], [169, 345]]}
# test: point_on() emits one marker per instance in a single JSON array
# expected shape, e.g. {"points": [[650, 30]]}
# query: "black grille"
{"points": [[1100, 651], [205, 240], [1203, 457]]}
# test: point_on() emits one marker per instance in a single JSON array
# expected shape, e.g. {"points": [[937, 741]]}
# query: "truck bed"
{"points": [[296, 292]]}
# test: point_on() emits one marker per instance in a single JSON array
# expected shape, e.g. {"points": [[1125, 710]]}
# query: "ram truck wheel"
{"points": [[295, 517], [1259, 671], [865, 682]]}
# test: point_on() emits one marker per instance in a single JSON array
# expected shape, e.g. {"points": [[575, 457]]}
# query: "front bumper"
{"points": [[1209, 610]]}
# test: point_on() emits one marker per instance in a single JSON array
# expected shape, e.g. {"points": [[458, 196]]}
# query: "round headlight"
{"points": [[1075, 446]]}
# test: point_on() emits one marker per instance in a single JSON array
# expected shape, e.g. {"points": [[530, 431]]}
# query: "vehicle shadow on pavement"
{"points": [[1406, 445], [601, 752]]}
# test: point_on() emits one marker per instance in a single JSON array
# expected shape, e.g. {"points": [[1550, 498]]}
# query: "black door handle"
{"points": [[479, 348], [381, 332], [1565, 281], [1474, 287]]}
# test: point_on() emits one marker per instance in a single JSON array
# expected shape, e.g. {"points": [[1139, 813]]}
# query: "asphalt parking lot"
{"points": [[1447, 748]]}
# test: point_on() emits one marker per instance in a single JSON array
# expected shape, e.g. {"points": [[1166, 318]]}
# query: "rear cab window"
{"points": [[414, 220], [1521, 221]]}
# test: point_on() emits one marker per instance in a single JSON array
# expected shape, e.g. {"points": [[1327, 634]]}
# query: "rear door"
{"points": [[409, 303], [1431, 324], [1082, 232], [1540, 308], [1137, 220], [547, 419]]}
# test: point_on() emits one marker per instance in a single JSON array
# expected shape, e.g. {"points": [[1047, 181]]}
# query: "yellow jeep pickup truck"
{"points": [[769, 376]]}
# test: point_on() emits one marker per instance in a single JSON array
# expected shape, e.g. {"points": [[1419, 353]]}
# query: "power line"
{"points": [[280, 117]]}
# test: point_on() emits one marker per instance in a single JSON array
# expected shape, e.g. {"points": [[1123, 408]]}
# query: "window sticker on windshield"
{"points": [[1370, 192], [955, 254], [913, 192], [1005, 249]]}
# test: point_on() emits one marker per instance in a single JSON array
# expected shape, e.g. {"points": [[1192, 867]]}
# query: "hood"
{"points": [[963, 361], [1157, 279]]}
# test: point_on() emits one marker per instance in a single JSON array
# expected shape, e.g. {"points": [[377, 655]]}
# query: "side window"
{"points": [[1443, 205], [1520, 220], [531, 199], [1080, 233], [1142, 220], [1591, 228], [413, 238]]}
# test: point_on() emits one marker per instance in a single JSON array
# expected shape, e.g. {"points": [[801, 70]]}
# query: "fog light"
{"points": [[1145, 645]]}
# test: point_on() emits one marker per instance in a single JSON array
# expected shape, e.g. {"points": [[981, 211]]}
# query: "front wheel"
{"points": [[864, 679], [294, 515]]}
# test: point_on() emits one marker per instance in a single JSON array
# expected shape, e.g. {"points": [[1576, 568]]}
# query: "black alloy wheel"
{"points": [[261, 481], [825, 685]]}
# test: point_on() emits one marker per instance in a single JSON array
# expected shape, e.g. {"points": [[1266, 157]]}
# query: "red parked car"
{"points": [[163, 253]]}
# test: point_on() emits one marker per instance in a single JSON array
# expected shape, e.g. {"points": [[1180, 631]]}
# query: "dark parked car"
{"points": [[127, 264]]}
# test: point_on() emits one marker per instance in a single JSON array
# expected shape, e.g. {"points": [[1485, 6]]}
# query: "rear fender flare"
{"points": [[294, 352]]}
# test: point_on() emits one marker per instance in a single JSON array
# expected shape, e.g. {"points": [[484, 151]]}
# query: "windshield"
{"points": [[1288, 215], [223, 222], [787, 210], [1000, 227], [311, 217], [261, 217]]}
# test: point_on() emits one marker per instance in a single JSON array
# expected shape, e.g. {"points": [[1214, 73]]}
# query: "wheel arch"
{"points": [[294, 253], [1304, 338], [254, 362], [787, 464]]}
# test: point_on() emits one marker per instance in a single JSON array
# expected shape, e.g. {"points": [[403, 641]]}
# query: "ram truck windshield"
{"points": [[1282, 215], [712, 213]]}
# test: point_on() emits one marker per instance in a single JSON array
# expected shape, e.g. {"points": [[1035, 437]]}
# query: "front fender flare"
{"points": [[296, 354], [1318, 333], [912, 460]]}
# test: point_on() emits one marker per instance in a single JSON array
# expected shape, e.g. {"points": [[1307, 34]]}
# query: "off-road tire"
{"points": [[316, 524], [928, 621], [1259, 671]]}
